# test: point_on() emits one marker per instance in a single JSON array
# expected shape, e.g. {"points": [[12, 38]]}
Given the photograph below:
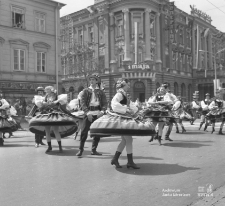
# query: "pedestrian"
{"points": [[205, 110], [195, 108], [94, 104], [18, 108], [52, 120], [123, 121]]}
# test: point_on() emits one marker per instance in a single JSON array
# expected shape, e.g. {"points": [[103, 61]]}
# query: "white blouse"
{"points": [[5, 104], [118, 107]]}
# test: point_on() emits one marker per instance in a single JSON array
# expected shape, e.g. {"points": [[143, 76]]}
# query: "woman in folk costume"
{"points": [[123, 121], [180, 114], [7, 124], [159, 110], [217, 111], [53, 119], [195, 108]]}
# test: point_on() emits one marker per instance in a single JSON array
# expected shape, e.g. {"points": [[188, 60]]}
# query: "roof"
{"points": [[58, 2]]}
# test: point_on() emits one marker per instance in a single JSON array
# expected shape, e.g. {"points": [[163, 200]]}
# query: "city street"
{"points": [[172, 174]]}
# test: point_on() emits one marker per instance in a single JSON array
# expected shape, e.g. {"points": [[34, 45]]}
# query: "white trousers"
{"points": [[126, 141]]}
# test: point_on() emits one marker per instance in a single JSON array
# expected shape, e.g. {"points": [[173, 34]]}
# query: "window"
{"points": [[18, 19], [41, 62], [181, 34], [120, 27], [80, 36], [40, 22], [140, 57], [152, 25], [121, 58], [91, 34], [19, 60]]}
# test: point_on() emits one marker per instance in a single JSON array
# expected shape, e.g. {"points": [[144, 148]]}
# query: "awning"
{"points": [[139, 75]]}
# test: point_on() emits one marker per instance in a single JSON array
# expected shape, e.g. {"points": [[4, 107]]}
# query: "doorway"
{"points": [[139, 91]]}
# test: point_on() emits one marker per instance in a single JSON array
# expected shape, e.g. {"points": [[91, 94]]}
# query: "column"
{"points": [[205, 53], [193, 48], [127, 35], [147, 35], [113, 63], [210, 50], [158, 45], [200, 48]]}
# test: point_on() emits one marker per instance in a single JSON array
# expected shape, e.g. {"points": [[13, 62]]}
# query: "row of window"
{"points": [[19, 58], [18, 19]]}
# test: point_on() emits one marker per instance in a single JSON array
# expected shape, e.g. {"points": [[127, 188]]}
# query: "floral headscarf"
{"points": [[121, 83]]}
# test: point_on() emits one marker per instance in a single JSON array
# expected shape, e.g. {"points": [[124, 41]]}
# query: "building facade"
{"points": [[147, 42], [29, 47]]}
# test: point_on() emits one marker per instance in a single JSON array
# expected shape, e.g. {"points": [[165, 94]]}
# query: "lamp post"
{"points": [[214, 56]]}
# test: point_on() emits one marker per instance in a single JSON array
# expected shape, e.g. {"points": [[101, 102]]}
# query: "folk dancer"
{"points": [[6, 122], [94, 105], [195, 108], [173, 98], [180, 114], [38, 137], [205, 110], [217, 111], [53, 120], [160, 111], [123, 120]]}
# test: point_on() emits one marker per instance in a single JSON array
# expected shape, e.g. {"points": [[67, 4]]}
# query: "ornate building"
{"points": [[28, 47], [149, 42]]}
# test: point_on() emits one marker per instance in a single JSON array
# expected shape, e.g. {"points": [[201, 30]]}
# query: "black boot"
{"points": [[115, 161], [183, 130], [177, 131], [213, 130], [81, 149], [159, 140], [60, 146], [131, 162], [152, 138], [167, 138], [220, 131], [1, 141], [49, 147], [205, 128], [95, 145], [201, 125]]}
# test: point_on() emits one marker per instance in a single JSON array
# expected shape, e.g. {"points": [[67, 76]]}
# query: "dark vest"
{"points": [[124, 101], [218, 103], [159, 98]]}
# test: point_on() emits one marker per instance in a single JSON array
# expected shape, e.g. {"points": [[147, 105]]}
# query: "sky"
{"points": [[214, 8]]}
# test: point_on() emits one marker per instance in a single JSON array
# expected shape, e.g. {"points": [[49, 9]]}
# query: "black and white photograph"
{"points": [[112, 103]]}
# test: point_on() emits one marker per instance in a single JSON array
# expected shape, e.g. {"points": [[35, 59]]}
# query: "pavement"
{"points": [[186, 172]]}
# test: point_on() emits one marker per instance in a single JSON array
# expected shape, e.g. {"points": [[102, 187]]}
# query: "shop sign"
{"points": [[200, 14], [138, 67]]}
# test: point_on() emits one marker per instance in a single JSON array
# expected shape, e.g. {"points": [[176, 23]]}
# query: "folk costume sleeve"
{"points": [[212, 105], [38, 100], [194, 105], [103, 102], [176, 105], [204, 106], [168, 99], [84, 100], [116, 105], [5, 104]]}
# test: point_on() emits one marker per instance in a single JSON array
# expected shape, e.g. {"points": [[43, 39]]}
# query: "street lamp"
{"points": [[214, 64]]}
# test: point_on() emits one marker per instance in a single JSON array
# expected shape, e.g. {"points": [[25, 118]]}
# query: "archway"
{"points": [[139, 91], [183, 91], [176, 92], [189, 92]]}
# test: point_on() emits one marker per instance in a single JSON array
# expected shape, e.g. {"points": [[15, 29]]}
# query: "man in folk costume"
{"points": [[38, 137], [94, 104], [205, 109], [196, 107]]}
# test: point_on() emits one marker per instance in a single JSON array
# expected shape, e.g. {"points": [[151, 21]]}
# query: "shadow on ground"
{"points": [[156, 169]]}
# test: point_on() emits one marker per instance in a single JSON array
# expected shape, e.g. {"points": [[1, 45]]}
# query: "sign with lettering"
{"points": [[138, 67], [200, 14]]}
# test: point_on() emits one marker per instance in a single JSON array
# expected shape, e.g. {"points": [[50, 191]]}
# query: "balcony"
{"points": [[210, 73]]}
